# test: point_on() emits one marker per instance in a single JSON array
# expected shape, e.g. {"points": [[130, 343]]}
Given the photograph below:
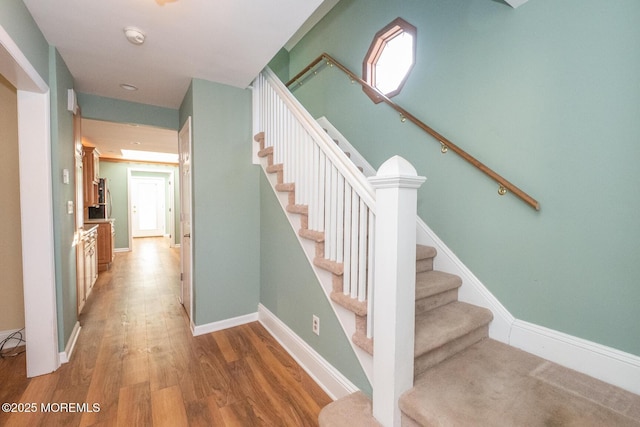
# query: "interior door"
{"points": [[186, 247], [147, 207]]}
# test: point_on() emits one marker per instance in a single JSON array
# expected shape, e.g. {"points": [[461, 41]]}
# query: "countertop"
{"points": [[89, 228]]}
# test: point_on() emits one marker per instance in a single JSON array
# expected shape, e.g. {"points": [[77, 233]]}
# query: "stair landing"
{"points": [[492, 384]]}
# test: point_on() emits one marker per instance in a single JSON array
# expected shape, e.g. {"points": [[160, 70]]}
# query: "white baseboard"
{"points": [[329, 378], [223, 324], [65, 355], [596, 360], [122, 250], [13, 343]]}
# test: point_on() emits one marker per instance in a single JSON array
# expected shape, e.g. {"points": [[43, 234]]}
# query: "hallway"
{"points": [[137, 364]]}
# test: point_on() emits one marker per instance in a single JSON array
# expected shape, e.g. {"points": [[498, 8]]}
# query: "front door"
{"points": [[185, 216]]}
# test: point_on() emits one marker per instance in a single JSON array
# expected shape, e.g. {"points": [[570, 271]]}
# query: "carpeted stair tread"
{"points": [[317, 236], [440, 326], [351, 304], [286, 187], [353, 410], [298, 209], [433, 282], [275, 168], [264, 153], [493, 384], [334, 267], [360, 339], [423, 252]]}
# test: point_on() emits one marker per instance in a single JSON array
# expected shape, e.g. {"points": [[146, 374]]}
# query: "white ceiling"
{"points": [[224, 41]]}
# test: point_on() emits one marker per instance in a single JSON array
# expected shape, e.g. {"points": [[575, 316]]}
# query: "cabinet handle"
{"points": [[188, 235]]}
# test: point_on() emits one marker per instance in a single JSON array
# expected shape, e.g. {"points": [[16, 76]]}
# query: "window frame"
{"points": [[389, 32]]}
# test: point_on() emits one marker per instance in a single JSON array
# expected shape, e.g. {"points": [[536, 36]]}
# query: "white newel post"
{"points": [[396, 187]]}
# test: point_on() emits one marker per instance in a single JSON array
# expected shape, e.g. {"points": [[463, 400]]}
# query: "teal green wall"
{"points": [[19, 24], [279, 64], [115, 110], [548, 96], [290, 290], [116, 173], [226, 221], [62, 157]]}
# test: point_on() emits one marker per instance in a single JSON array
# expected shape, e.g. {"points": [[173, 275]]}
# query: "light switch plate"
{"points": [[65, 176], [70, 207]]}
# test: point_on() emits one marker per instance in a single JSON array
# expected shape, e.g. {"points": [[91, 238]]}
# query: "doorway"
{"points": [[36, 207], [151, 203], [147, 207]]}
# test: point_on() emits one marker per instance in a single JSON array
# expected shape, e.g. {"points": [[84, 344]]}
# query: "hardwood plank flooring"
{"points": [[136, 358]]}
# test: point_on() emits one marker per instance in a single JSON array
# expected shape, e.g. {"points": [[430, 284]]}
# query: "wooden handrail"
{"points": [[504, 184]]}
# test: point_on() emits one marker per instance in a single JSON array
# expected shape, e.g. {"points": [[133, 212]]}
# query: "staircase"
{"points": [[460, 377], [444, 326]]}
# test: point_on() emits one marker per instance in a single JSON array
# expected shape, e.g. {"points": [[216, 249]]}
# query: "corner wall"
{"points": [[62, 157], [226, 221]]}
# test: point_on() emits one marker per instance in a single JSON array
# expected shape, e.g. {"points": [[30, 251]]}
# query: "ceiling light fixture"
{"points": [[134, 35], [126, 86], [162, 2]]}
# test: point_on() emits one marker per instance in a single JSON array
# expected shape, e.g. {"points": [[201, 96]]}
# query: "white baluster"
{"points": [[370, 273], [362, 252], [346, 276], [340, 194], [321, 190], [328, 208], [355, 257]]}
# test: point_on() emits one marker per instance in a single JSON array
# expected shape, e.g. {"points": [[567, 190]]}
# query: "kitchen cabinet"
{"points": [[88, 266], [91, 174], [106, 244]]}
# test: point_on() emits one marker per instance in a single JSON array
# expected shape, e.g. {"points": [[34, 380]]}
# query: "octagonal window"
{"points": [[390, 58]]}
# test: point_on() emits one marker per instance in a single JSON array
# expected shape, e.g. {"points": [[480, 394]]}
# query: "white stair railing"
{"points": [[360, 226], [340, 200]]}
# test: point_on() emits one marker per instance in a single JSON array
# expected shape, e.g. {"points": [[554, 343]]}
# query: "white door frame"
{"points": [[160, 183], [186, 131], [171, 218], [34, 151]]}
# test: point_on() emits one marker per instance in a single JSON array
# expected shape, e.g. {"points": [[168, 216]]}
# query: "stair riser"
{"points": [[432, 358], [425, 304], [423, 265]]}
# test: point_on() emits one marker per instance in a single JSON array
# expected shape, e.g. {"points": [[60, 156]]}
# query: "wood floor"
{"points": [[138, 362]]}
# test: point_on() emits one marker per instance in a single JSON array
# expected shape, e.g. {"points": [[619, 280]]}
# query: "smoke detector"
{"points": [[134, 35]]}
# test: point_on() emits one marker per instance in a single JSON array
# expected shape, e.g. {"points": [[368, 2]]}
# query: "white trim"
{"points": [[122, 250], [36, 206], [65, 355], [323, 373], [223, 324], [604, 363], [13, 343]]}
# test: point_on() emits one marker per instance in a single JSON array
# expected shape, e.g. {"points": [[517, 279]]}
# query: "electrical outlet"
{"points": [[315, 326]]}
